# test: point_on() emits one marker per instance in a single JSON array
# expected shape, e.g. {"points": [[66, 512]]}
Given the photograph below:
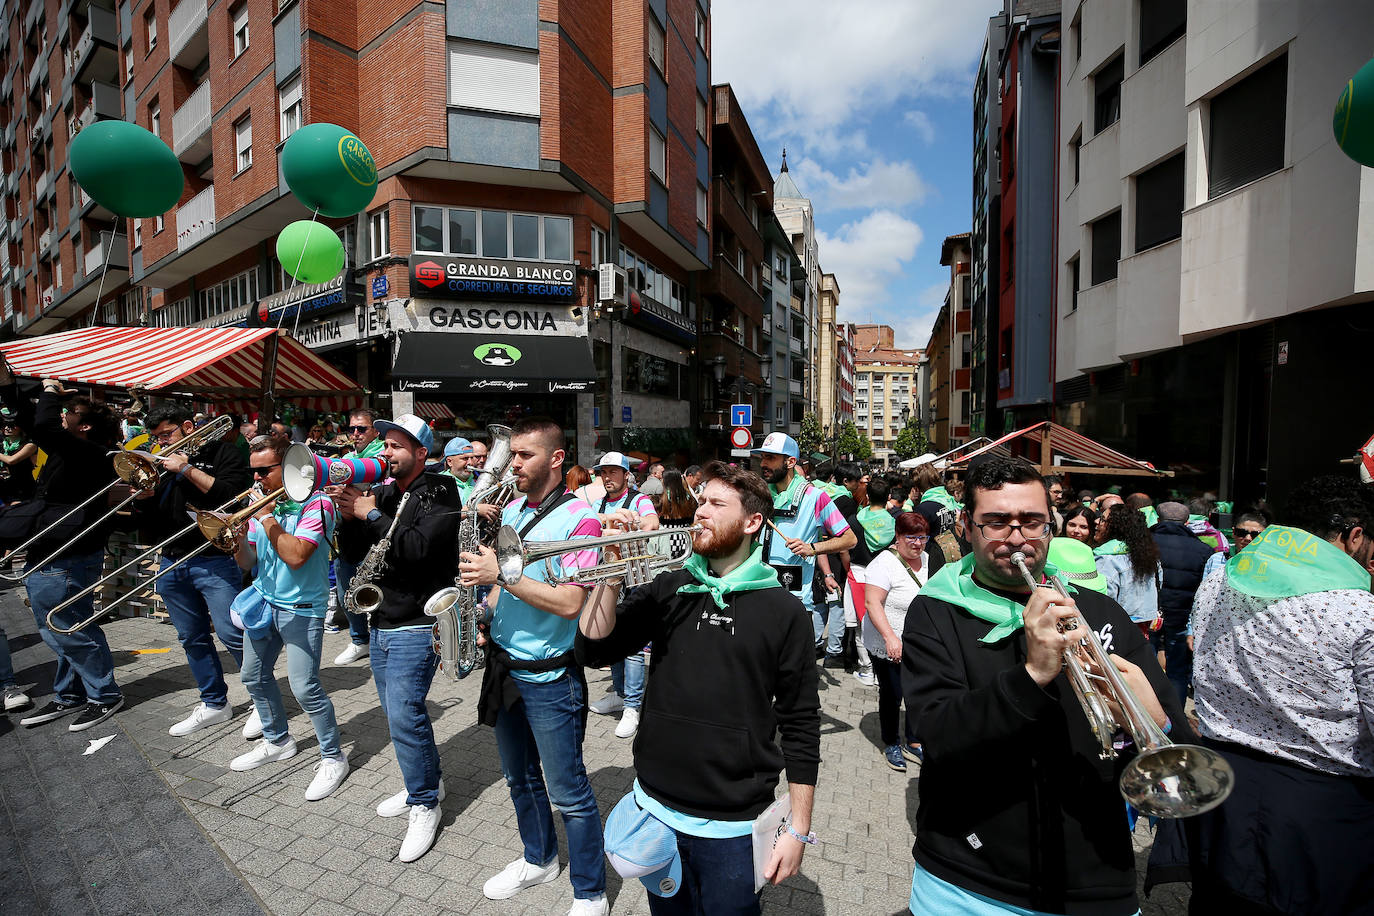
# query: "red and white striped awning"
{"points": [[432, 410], [216, 364], [1059, 442]]}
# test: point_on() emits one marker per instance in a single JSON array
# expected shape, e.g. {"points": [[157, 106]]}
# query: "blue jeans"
{"points": [[548, 724], [833, 613], [6, 663], [717, 879], [198, 592], [302, 637], [1178, 661], [357, 623], [627, 679], [85, 667], [403, 666]]}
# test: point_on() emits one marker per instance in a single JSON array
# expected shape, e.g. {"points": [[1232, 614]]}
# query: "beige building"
{"points": [[835, 363], [887, 387]]}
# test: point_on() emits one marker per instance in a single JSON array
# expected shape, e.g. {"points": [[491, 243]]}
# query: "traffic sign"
{"points": [[741, 415], [625, 414], [741, 437]]}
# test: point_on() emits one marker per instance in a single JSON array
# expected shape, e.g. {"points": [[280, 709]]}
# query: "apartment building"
{"points": [[985, 242], [835, 365], [798, 219], [785, 375], [887, 387], [954, 331]]}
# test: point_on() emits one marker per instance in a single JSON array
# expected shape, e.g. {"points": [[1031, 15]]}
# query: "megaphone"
{"points": [[304, 471]]}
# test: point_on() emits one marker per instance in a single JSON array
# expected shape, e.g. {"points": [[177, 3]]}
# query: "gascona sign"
{"points": [[438, 276]]}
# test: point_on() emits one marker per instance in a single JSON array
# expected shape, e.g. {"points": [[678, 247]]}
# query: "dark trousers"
{"points": [[889, 675], [1178, 660], [717, 879]]}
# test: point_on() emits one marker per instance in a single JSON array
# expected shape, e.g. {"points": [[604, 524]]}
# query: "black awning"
{"points": [[493, 363]]}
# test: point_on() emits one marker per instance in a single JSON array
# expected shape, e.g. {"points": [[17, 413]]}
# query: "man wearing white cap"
{"points": [[801, 512]]}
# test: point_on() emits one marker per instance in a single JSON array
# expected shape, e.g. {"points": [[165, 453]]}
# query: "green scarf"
{"points": [[1151, 516], [285, 507], [13, 445], [1113, 548], [941, 496], [751, 575], [879, 527], [1285, 562], [784, 500], [834, 490], [954, 583], [371, 450]]}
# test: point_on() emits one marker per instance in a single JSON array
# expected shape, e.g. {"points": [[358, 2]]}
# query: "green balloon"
{"points": [[329, 170], [310, 252], [127, 169], [1353, 122]]}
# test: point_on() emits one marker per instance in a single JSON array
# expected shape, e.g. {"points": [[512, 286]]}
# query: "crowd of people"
{"points": [[1252, 638]]}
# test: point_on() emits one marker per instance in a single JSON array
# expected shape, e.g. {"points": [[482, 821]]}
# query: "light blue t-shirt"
{"points": [[303, 591], [930, 895], [524, 631], [686, 823], [816, 512]]}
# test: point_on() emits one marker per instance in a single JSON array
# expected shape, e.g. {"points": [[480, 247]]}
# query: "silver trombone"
{"points": [[137, 469], [639, 567], [1164, 779]]}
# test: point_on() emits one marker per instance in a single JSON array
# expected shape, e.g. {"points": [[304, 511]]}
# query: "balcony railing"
{"points": [[44, 239], [196, 219], [187, 21], [40, 187], [118, 247], [39, 67], [191, 122], [47, 298]]}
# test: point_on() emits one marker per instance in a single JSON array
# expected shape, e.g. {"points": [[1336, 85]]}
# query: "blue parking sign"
{"points": [[741, 414]]}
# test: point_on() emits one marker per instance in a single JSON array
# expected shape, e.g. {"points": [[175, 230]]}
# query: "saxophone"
{"points": [[364, 596]]}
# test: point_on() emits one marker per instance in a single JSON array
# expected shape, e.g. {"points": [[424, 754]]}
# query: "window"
{"points": [[1107, 89], [238, 16], [963, 407], [701, 116], [701, 204], [658, 155], [1073, 284], [965, 351], [1076, 145], [601, 253], [239, 290], [1162, 22], [243, 143], [1106, 234], [429, 229], [175, 314], [493, 78], [740, 264], [1245, 140], [491, 233], [289, 100], [495, 234], [128, 65], [656, 40], [1076, 36], [378, 234], [524, 236], [1159, 203], [462, 231], [700, 26], [150, 27], [652, 282], [158, 224], [155, 119], [138, 234]]}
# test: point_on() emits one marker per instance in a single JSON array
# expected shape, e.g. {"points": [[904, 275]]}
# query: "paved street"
{"points": [[155, 824]]}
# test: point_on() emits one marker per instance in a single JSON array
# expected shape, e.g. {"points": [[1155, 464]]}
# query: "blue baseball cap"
{"points": [[778, 444], [613, 460], [457, 446], [411, 425], [641, 846]]}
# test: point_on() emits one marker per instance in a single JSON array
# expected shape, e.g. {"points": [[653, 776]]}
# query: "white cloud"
{"points": [[819, 65], [866, 256], [870, 184], [924, 127]]}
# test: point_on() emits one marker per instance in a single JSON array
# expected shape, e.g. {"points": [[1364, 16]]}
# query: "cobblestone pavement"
{"points": [[336, 856]]}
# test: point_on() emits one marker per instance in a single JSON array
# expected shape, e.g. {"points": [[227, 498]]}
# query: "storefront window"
{"points": [[429, 229], [462, 232], [494, 234], [646, 373], [524, 231]]}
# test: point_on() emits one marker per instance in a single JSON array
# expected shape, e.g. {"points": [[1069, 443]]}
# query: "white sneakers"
{"points": [[201, 717], [16, 699], [865, 676], [628, 725], [591, 906], [351, 654], [395, 805], [329, 773], [424, 826], [265, 752], [608, 705], [252, 728], [517, 876]]}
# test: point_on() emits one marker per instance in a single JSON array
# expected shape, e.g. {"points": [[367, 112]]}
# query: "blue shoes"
{"points": [[914, 754], [893, 755]]}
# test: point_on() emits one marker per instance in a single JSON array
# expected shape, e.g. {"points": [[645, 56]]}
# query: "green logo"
{"points": [[357, 161], [492, 354]]}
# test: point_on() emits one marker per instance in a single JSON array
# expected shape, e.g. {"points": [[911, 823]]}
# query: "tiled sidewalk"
{"points": [[109, 833]]}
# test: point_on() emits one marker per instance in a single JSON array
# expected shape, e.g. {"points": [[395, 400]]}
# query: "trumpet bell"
{"points": [[1177, 780]]}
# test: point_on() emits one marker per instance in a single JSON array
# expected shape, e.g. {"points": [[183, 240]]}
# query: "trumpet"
{"points": [[137, 469], [638, 568], [1164, 779]]}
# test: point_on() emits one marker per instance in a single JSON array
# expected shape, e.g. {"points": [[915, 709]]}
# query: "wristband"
{"points": [[809, 839], [181, 474], [374, 514]]}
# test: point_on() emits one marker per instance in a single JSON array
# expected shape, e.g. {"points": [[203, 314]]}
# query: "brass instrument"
{"points": [[1164, 779], [638, 568], [137, 469], [364, 595]]}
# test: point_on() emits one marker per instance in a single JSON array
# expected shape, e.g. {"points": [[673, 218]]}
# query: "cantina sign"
{"points": [[437, 276]]}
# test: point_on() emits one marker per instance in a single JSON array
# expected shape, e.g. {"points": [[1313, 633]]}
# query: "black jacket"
{"points": [[424, 552], [165, 512], [721, 684], [1015, 804], [1183, 557]]}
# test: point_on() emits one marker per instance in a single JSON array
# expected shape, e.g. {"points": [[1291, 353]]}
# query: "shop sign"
{"points": [[443, 277], [312, 300], [529, 320]]}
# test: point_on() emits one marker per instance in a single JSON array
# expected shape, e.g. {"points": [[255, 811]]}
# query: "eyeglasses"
{"points": [[359, 429], [165, 437], [915, 538], [1032, 529], [1244, 533], [262, 471], [73, 411]]}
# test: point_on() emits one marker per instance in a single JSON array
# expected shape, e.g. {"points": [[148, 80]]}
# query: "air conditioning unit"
{"points": [[612, 285]]}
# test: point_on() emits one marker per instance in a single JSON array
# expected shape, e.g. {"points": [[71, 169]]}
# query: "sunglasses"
{"points": [[1244, 533], [359, 429], [263, 471]]}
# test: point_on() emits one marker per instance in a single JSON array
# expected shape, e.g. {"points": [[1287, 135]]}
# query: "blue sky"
{"points": [[873, 101]]}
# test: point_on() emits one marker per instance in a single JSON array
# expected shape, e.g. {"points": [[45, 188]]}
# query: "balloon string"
{"points": [[295, 280], [100, 287]]}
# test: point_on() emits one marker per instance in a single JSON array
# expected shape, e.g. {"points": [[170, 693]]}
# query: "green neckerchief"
{"points": [[835, 490], [1283, 562], [13, 445], [464, 486], [955, 583], [941, 496], [371, 450], [784, 499], [1151, 516], [908, 506], [751, 575], [285, 507], [1113, 548], [880, 528]]}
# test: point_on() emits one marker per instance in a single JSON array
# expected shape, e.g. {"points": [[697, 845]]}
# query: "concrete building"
{"points": [[887, 387], [985, 242], [783, 268], [956, 333], [798, 219], [938, 382], [835, 365], [1216, 248]]}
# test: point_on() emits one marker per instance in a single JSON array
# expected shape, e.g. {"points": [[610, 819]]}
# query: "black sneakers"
{"points": [[53, 710], [94, 714]]}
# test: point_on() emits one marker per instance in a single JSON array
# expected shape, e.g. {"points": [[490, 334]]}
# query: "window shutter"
{"points": [[1247, 129], [493, 78]]}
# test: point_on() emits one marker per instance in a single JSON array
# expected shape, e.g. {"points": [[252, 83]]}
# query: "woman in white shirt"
{"points": [[893, 580]]}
